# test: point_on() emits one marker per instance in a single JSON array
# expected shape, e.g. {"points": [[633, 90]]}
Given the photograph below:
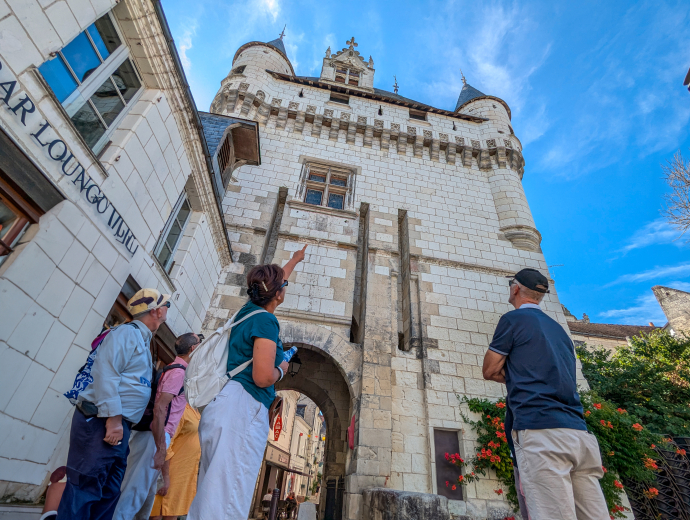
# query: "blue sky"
{"points": [[595, 90]]}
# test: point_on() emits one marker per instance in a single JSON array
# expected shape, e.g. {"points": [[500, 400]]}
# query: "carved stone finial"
{"points": [[351, 43], [371, 62], [328, 52], [395, 86], [281, 35], [464, 81]]}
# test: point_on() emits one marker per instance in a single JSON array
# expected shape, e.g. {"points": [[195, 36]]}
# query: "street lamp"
{"points": [[294, 365]]}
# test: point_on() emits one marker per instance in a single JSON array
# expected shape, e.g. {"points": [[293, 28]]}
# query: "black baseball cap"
{"points": [[533, 279]]}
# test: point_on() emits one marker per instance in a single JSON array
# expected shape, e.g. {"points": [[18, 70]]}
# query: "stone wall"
{"points": [[413, 272], [63, 277]]}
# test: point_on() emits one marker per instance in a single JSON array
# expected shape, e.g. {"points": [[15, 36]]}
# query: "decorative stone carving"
{"points": [[260, 95], [293, 105], [523, 237], [243, 87], [328, 52], [378, 124], [443, 137], [460, 140], [311, 109], [395, 127], [508, 143], [491, 143], [276, 102], [361, 120], [371, 62], [345, 116], [427, 134], [476, 144], [328, 112], [411, 130]]}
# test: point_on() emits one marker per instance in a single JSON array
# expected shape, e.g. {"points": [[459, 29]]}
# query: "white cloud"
{"points": [[657, 273], [641, 312], [644, 309], [185, 44], [272, 7], [656, 232]]}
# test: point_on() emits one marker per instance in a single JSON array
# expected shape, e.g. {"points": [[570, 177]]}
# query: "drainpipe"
{"points": [[158, 9]]}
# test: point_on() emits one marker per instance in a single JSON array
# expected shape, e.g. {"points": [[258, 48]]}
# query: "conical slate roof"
{"points": [[468, 93], [278, 44]]}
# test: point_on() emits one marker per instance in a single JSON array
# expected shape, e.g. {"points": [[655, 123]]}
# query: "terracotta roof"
{"points": [[606, 330]]}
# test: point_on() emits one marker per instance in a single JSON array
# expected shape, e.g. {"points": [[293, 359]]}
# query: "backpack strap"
{"points": [[244, 365]]}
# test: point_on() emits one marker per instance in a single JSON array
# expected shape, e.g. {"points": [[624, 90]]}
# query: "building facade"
{"points": [[107, 185], [414, 217]]}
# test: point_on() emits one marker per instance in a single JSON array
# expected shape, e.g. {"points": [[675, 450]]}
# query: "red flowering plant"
{"points": [[626, 448], [493, 452]]}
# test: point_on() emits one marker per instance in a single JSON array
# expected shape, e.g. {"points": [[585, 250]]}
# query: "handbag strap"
{"points": [[244, 365]]}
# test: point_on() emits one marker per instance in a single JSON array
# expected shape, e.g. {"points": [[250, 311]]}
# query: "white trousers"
{"points": [[233, 433], [560, 470], [140, 477]]}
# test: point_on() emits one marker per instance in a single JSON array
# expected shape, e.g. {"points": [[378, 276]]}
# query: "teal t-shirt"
{"points": [[241, 349]]}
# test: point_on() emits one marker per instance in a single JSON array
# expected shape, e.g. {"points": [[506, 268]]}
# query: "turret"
{"points": [[514, 216], [248, 74]]}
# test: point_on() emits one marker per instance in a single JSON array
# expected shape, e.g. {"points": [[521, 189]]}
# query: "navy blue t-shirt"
{"points": [[540, 371]]}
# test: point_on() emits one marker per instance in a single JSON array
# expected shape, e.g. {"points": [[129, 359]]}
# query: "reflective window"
{"points": [[74, 68], [327, 185], [88, 124], [335, 200], [172, 234], [104, 36], [58, 76], [314, 197], [81, 56]]}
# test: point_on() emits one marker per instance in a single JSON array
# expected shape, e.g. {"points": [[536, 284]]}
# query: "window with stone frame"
{"points": [[95, 80], [172, 233], [327, 185], [347, 75]]}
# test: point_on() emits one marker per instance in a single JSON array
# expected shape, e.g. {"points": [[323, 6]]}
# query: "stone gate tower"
{"points": [[414, 216]]}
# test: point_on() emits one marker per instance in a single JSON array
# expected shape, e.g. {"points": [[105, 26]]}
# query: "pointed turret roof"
{"points": [[468, 93], [278, 44]]}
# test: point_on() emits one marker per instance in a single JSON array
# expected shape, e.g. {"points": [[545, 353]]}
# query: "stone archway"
{"points": [[330, 376]]}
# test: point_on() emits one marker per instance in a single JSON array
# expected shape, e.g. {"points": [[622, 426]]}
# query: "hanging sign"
{"points": [[277, 428]]}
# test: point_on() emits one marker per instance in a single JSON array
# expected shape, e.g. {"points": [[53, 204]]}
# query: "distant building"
{"points": [[676, 306], [607, 335]]}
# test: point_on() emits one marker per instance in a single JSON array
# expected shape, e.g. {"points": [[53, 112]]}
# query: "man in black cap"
{"points": [[559, 460]]}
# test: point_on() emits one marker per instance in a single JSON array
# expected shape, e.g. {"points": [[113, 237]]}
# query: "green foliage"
{"points": [[626, 447], [650, 378], [493, 452]]}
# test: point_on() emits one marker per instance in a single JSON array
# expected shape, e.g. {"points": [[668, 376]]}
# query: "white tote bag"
{"points": [[207, 372]]}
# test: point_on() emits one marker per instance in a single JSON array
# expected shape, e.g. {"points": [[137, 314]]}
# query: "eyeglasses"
{"points": [[201, 337], [166, 304], [285, 284], [511, 283]]}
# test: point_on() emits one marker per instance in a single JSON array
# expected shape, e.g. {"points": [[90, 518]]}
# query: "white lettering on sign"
{"points": [[57, 150]]}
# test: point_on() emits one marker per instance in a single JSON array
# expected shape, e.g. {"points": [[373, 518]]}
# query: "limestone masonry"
{"points": [[414, 216]]}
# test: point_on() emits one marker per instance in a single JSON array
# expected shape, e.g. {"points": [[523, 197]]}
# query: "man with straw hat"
{"points": [[114, 399]]}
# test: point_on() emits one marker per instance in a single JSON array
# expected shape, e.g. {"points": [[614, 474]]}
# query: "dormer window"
{"points": [[417, 114], [346, 76]]}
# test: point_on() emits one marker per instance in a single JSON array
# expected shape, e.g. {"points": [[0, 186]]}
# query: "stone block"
{"points": [[389, 504]]}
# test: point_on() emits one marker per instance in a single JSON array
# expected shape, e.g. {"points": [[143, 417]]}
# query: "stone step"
{"points": [[20, 512]]}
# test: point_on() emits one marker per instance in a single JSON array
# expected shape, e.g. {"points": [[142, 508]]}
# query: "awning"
{"points": [[288, 469]]}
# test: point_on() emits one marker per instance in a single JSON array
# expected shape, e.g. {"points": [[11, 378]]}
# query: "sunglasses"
{"points": [[166, 304], [511, 283], [285, 284]]}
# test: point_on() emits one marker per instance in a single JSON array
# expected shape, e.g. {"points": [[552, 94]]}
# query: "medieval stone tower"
{"points": [[414, 216]]}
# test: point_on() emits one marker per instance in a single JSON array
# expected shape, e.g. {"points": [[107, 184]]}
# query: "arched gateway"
{"points": [[330, 376]]}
